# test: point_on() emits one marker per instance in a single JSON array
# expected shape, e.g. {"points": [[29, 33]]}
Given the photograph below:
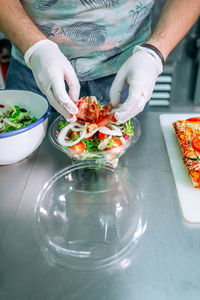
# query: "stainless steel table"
{"points": [[164, 266]]}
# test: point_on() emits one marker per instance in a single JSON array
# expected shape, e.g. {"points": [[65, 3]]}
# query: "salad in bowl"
{"points": [[23, 124], [95, 135], [13, 117]]}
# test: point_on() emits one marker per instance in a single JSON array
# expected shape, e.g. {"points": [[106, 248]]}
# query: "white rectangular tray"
{"points": [[189, 196]]}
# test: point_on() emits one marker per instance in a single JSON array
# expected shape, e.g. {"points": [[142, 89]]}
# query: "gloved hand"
{"points": [[51, 69], [140, 71]]}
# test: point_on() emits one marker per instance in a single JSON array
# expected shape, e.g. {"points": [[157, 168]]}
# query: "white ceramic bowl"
{"points": [[18, 144]]}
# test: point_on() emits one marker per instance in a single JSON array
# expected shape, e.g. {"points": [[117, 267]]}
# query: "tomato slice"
{"points": [[91, 136], [117, 143], [78, 148], [196, 143], [102, 136], [1, 106], [197, 119]]}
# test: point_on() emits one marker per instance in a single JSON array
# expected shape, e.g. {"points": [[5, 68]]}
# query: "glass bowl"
{"points": [[103, 157], [87, 217]]}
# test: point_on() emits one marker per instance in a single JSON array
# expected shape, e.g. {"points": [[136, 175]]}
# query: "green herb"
{"points": [[15, 112], [10, 127], [128, 128], [110, 144], [15, 118], [30, 121], [62, 125], [98, 104], [91, 144]]}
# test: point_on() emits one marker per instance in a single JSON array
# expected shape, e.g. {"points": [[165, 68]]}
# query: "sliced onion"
{"points": [[104, 143], [114, 131], [64, 131], [122, 139], [117, 129], [77, 127]]}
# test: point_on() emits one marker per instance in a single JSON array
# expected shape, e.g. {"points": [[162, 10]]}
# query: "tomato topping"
{"points": [[196, 143], [1, 106], [102, 136], [197, 119], [78, 148], [91, 136], [117, 143]]}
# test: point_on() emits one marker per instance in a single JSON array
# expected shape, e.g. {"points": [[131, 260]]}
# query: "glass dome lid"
{"points": [[88, 217]]}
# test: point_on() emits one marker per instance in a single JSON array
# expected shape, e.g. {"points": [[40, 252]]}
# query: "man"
{"points": [[75, 48]]}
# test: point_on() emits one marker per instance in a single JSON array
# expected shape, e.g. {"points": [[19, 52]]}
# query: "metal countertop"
{"points": [[165, 265]]}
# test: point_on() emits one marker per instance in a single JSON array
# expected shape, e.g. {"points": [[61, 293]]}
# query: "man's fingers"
{"points": [[127, 113], [116, 89], [59, 108], [73, 83], [133, 105], [60, 93]]}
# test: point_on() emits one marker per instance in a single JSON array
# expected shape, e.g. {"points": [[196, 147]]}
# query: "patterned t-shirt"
{"points": [[97, 36]]}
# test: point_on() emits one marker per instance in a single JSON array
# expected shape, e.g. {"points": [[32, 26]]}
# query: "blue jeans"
{"points": [[20, 77]]}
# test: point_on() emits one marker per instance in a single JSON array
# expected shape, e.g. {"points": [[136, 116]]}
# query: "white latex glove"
{"points": [[140, 71], [51, 69]]}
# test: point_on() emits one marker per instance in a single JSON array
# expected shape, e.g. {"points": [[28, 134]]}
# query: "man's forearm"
{"points": [[176, 19], [18, 26]]}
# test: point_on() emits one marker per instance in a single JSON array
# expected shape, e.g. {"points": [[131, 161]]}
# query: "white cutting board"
{"points": [[189, 196]]}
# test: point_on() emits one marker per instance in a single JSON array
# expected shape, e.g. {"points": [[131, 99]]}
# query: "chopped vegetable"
{"points": [[128, 128], [14, 117], [95, 131], [62, 125], [78, 148], [98, 104], [102, 136], [196, 143], [197, 119], [91, 144], [114, 143]]}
